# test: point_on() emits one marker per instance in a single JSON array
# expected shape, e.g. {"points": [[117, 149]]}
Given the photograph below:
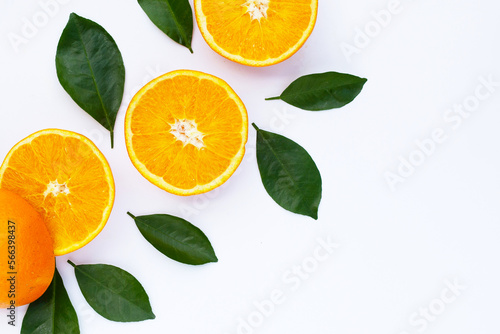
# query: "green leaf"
{"points": [[173, 17], [288, 173], [52, 313], [322, 91], [113, 293], [176, 238], [90, 69]]}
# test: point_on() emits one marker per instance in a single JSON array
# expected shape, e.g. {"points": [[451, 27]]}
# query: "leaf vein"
{"points": [[94, 80], [173, 238], [117, 293], [297, 188]]}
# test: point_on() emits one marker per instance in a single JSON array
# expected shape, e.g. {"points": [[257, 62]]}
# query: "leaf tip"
{"points": [[74, 16], [313, 214]]}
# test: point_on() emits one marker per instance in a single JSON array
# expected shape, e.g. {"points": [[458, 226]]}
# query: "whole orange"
{"points": [[27, 259]]}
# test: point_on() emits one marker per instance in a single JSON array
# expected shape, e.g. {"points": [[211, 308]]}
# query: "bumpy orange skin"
{"points": [[33, 252]]}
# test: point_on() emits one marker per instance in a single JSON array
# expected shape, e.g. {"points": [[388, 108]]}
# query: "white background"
{"points": [[397, 247]]}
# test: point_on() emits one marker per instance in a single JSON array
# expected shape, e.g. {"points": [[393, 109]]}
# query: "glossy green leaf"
{"points": [[52, 313], [90, 69], [173, 17], [322, 91], [113, 293], [176, 238], [288, 173]]}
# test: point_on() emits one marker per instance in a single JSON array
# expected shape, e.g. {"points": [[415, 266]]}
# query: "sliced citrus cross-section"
{"points": [[65, 177], [186, 132], [256, 32]]}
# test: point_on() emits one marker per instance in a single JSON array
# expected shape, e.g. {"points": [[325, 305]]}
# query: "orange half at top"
{"points": [[256, 32], [68, 181], [186, 132]]}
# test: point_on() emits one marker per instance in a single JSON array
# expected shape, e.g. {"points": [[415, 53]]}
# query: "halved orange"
{"points": [[186, 132], [256, 32], [65, 177]]}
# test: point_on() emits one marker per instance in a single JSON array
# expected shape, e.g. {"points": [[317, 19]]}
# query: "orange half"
{"points": [[186, 132], [65, 177], [256, 32]]}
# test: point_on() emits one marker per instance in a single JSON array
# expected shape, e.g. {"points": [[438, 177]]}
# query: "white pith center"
{"points": [[187, 132], [55, 188], [257, 8]]}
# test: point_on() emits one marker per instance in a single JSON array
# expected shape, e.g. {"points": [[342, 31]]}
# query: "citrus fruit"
{"points": [[186, 132], [67, 180], [256, 32], [26, 250]]}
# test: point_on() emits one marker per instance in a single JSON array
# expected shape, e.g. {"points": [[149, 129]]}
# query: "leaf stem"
{"points": [[112, 138], [255, 126], [190, 49], [74, 265], [131, 215], [273, 98]]}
